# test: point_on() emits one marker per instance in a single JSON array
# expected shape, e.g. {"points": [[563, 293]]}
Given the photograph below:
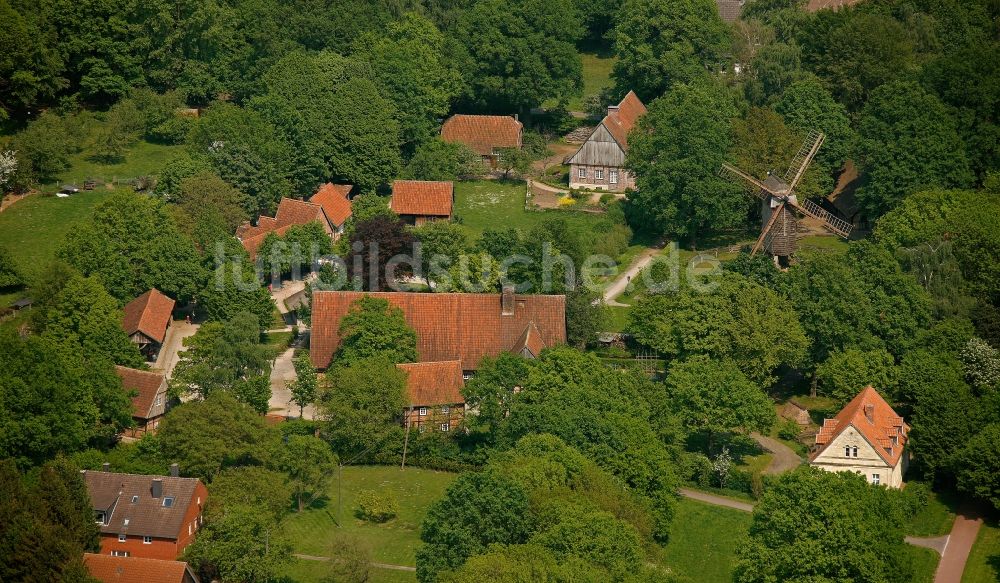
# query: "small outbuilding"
{"points": [[485, 135], [422, 201], [146, 321]]}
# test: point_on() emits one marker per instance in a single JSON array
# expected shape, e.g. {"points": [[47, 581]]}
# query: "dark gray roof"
{"points": [[113, 492]]}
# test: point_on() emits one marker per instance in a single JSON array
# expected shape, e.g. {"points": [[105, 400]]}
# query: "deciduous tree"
{"points": [[373, 328]]}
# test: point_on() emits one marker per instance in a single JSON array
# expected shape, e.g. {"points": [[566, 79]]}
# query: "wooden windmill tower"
{"points": [[781, 208]]}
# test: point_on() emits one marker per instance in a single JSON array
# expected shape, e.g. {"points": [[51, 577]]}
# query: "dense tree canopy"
{"points": [[373, 328]]}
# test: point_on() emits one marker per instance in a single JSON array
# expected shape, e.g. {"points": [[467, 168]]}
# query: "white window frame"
{"points": [[165, 498], [147, 540], [159, 400], [877, 479], [847, 451], [445, 427], [422, 412], [120, 554], [444, 409], [582, 172], [612, 176], [122, 538], [855, 451], [135, 499], [599, 174], [101, 517]]}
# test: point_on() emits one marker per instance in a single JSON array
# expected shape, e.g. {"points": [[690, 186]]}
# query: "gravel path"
{"points": [[716, 500], [785, 458]]}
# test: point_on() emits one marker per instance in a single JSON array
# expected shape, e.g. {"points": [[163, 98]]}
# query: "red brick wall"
{"points": [[161, 548]]}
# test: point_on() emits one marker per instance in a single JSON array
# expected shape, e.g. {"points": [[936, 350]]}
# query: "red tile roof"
{"points": [[333, 199], [483, 133], [422, 197], [110, 569], [150, 314], [621, 121], [531, 341], [433, 383], [290, 212], [449, 326], [113, 493], [879, 430], [146, 383]]}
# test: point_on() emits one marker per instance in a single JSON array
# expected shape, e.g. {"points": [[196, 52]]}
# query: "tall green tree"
{"points": [[843, 375], [661, 43], [909, 142], [676, 153], [10, 275], [310, 464], [364, 402], [305, 387], [226, 357], [250, 486], [373, 328], [242, 543], [133, 244], [83, 317], [978, 465]]}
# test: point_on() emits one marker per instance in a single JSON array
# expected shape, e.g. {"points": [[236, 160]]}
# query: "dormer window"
{"points": [[135, 499], [168, 501], [101, 517]]}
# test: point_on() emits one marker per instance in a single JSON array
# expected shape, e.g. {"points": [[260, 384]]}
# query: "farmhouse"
{"points": [[434, 392], [109, 569], [336, 202], [600, 161], [291, 212], [866, 437], [421, 201], [146, 321], [154, 517], [150, 401], [452, 326], [484, 134]]}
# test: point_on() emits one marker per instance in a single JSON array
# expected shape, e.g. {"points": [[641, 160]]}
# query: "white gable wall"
{"points": [[868, 462]]}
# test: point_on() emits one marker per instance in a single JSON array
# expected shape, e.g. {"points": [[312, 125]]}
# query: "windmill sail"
{"points": [[803, 158]]}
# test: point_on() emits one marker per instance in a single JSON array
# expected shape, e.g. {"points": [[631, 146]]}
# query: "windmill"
{"points": [[781, 208]]}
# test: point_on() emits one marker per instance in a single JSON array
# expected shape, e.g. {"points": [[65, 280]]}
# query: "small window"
{"points": [[847, 451], [423, 411], [466, 376], [126, 521], [613, 176], [876, 479], [582, 173], [421, 429], [120, 553], [855, 451], [445, 427], [189, 529], [135, 499], [168, 502], [444, 410], [99, 517], [598, 174], [147, 540], [159, 400], [121, 538]]}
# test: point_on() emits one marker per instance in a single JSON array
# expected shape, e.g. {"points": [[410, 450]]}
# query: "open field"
{"points": [[597, 65], [394, 542], [984, 560], [703, 541], [34, 228], [142, 159]]}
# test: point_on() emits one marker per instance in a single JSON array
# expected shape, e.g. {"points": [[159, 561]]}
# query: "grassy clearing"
{"points": [[615, 319], [394, 542], [924, 561], [822, 243], [34, 228], [703, 541], [935, 519], [142, 159], [492, 204], [984, 560], [302, 571]]}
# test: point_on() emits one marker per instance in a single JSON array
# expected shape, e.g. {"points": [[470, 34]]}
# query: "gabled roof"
{"points": [[615, 127], [290, 212], [483, 133], [531, 341], [251, 244], [449, 326], [113, 492], [871, 416], [146, 383], [433, 383], [335, 202], [150, 314], [422, 198], [109, 569]]}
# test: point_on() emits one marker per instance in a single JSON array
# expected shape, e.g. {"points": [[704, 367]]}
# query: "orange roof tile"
{"points": [[531, 340], [422, 198], [110, 569], [483, 133], [449, 326], [621, 121], [333, 198], [146, 383], [290, 212], [251, 244], [433, 383], [878, 430], [149, 314]]}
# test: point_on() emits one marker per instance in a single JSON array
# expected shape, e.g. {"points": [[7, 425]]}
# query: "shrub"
{"points": [[566, 201], [789, 430], [376, 507], [607, 198]]}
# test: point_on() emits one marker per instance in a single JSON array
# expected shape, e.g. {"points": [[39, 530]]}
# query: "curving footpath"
{"points": [[956, 551]]}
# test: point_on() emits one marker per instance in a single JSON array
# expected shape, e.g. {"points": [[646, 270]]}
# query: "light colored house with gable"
{"points": [[599, 164], [867, 437]]}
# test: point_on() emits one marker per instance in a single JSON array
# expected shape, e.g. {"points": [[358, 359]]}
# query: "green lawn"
{"points": [[301, 571], [924, 561], [34, 228], [984, 561], [597, 65], [394, 542], [703, 541], [142, 159], [935, 519]]}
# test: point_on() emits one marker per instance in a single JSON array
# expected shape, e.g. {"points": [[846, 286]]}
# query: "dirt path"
{"points": [[716, 500], [959, 544], [282, 373], [785, 458], [621, 284], [376, 565], [935, 543]]}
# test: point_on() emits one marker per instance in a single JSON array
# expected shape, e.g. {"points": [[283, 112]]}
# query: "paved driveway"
{"points": [[172, 345], [956, 551], [282, 373]]}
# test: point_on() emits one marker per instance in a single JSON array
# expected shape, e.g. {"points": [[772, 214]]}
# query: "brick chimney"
{"points": [[507, 301], [175, 470], [612, 109], [105, 467], [870, 413], [156, 489]]}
